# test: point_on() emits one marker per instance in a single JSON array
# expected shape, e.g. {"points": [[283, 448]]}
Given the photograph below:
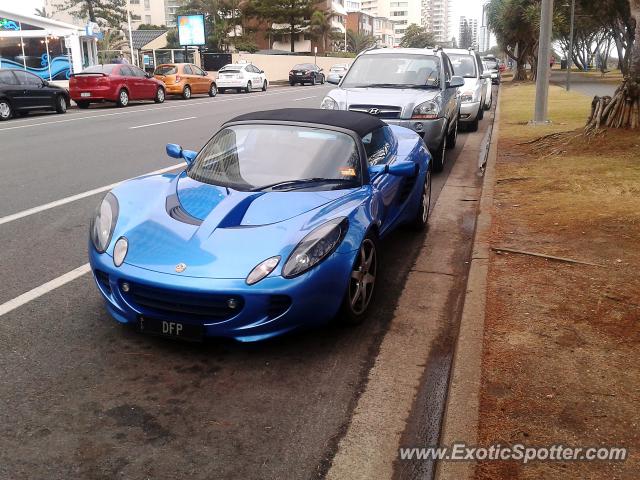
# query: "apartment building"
{"points": [[383, 32], [142, 11], [360, 22], [436, 19], [468, 33]]}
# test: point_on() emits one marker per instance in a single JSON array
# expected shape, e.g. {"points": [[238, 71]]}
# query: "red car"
{"points": [[119, 83]]}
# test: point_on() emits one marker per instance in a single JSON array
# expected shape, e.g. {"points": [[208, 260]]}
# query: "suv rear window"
{"points": [[106, 69], [165, 70]]}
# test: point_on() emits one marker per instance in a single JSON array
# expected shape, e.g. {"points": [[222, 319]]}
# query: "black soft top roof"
{"points": [[360, 123]]}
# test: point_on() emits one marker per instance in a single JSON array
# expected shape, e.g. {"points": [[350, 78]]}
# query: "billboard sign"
{"points": [[191, 30]]}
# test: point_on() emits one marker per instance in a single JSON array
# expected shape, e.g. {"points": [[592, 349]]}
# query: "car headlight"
{"points": [[315, 247], [104, 222], [468, 97], [120, 251], [262, 270], [329, 104], [429, 110]]}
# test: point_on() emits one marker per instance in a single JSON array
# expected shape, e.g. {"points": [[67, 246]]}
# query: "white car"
{"points": [[241, 77]]}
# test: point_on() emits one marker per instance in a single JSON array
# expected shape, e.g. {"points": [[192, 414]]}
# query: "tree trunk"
{"points": [[623, 109], [92, 13], [293, 38]]}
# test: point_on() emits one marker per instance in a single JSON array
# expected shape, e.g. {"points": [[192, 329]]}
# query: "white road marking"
{"points": [[161, 123], [43, 289], [138, 110], [305, 98], [79, 196]]}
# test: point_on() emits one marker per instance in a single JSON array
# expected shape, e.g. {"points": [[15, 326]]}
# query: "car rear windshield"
{"points": [[491, 63], [249, 157], [463, 65], [394, 70], [229, 70], [166, 70], [106, 69], [303, 66]]}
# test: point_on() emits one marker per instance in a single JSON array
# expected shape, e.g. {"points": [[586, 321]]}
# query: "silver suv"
{"points": [[468, 65], [411, 87]]}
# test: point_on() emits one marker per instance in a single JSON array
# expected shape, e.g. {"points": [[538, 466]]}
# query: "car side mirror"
{"points": [[456, 82], [397, 169], [175, 151]]}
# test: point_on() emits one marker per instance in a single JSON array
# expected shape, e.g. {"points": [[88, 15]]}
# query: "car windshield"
{"points": [[106, 69], [165, 70], [463, 65], [278, 157], [393, 70], [491, 63]]}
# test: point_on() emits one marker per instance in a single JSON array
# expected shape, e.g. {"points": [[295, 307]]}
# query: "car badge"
{"points": [[374, 111], [181, 267]]}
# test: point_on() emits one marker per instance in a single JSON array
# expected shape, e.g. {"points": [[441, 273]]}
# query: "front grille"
{"points": [[103, 280], [278, 304], [380, 111], [201, 307]]}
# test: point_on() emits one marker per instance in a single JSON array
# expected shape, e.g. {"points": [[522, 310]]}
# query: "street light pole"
{"points": [[570, 54], [544, 51], [133, 60]]}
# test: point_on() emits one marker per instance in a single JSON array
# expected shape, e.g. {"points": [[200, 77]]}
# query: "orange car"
{"points": [[185, 79]]}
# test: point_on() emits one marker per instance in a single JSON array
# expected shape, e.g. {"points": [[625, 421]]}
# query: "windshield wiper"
{"points": [[293, 184], [398, 85]]}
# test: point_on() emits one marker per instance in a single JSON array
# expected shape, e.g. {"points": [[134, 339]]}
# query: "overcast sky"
{"points": [[22, 6]]}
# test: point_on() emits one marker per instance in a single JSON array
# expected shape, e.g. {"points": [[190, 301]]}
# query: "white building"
{"points": [[468, 33], [436, 19], [485, 33], [401, 12], [152, 12]]}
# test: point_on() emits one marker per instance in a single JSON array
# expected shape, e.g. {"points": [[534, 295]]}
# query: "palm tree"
{"points": [[321, 26], [42, 12], [357, 42]]}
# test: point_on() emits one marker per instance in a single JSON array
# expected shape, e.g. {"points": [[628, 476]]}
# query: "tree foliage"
{"points": [[295, 14], [357, 42], [417, 37], [107, 13]]}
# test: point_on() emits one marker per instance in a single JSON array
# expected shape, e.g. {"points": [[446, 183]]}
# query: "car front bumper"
{"points": [[432, 131], [271, 307], [469, 112]]}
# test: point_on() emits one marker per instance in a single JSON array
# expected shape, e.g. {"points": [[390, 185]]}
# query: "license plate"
{"points": [[85, 94], [299, 74], [171, 329]]}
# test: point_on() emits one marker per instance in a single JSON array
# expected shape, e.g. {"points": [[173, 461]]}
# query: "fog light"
{"points": [[232, 303], [419, 127], [126, 287]]}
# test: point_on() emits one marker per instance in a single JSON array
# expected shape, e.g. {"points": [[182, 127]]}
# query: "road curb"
{"points": [[461, 418]]}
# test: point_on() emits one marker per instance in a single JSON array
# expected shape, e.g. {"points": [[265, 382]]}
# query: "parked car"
{"points": [[274, 226], [118, 83], [488, 99], [468, 65], [411, 87], [306, 73], [22, 92], [241, 77], [336, 73], [185, 79], [495, 68]]}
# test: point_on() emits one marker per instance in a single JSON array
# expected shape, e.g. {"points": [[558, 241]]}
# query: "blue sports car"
{"points": [[273, 226]]}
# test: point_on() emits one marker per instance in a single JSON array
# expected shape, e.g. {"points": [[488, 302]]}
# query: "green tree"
{"points": [[219, 20], [42, 12], [321, 27], [417, 37], [112, 13], [149, 26], [295, 14], [357, 42]]}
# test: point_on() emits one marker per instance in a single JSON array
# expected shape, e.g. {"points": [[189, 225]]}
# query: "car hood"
{"points": [[168, 221], [407, 99]]}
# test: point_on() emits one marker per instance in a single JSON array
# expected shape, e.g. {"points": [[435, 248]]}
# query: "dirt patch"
{"points": [[562, 340]]}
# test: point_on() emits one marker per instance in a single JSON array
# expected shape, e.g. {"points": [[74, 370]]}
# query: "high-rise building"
{"points": [[435, 18], [468, 33], [485, 33], [401, 12]]}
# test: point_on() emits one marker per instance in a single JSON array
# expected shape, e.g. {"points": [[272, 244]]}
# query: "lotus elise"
{"points": [[274, 225]]}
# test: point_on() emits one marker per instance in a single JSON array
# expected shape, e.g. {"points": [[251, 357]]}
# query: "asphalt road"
{"points": [[82, 396], [590, 86]]}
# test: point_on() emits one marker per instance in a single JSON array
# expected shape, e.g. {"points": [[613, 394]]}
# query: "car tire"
{"points": [[292, 83], [488, 106], [361, 282], [83, 104], [421, 220], [452, 137], [160, 95], [314, 81], [481, 112], [186, 92], [322, 79], [249, 87], [440, 156], [264, 86], [6, 111], [213, 90], [61, 104], [123, 98], [473, 126]]}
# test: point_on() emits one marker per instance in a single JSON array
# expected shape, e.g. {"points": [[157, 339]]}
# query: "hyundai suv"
{"points": [[411, 87], [468, 65]]}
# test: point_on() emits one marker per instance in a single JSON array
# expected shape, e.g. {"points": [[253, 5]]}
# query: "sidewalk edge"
{"points": [[460, 422]]}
